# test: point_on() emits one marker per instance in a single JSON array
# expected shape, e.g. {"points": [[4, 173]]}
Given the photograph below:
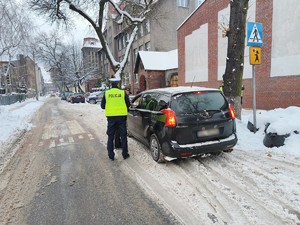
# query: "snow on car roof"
{"points": [[174, 90]]}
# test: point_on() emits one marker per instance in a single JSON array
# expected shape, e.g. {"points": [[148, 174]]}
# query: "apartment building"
{"points": [[91, 62], [20, 76], [157, 33]]}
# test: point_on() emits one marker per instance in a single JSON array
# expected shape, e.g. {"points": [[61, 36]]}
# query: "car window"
{"points": [[162, 102], [148, 101], [196, 102], [136, 102]]}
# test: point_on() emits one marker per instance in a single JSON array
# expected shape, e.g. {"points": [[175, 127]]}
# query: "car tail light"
{"points": [[231, 111], [170, 118]]}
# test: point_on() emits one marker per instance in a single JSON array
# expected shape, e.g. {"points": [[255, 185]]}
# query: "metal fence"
{"points": [[11, 99]]}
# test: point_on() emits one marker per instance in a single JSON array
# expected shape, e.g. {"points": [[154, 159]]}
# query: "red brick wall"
{"points": [[154, 79], [271, 92], [89, 85]]}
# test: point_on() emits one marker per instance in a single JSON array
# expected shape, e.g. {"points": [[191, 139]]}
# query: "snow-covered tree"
{"points": [[15, 27], [93, 11]]}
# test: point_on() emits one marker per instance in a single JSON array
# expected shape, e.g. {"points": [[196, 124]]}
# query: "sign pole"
{"points": [[254, 97], [255, 41]]}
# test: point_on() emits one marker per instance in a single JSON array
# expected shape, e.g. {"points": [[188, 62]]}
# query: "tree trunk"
{"points": [[235, 53]]}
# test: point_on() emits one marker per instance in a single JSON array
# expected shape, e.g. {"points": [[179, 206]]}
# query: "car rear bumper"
{"points": [[190, 150]]}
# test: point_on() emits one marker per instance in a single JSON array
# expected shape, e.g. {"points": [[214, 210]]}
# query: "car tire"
{"points": [[92, 101], [155, 149], [228, 150]]}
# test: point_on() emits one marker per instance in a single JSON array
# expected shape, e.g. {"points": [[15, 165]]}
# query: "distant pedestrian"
{"points": [[221, 86], [116, 103]]}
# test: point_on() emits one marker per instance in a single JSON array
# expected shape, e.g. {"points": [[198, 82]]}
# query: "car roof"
{"points": [[180, 89]]}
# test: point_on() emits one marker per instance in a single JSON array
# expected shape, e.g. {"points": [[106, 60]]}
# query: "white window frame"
{"points": [[183, 3]]}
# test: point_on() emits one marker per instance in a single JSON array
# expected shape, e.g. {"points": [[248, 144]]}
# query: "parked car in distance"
{"points": [[95, 97], [179, 122], [66, 94], [77, 98]]}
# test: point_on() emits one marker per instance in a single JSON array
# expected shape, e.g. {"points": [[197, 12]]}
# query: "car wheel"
{"points": [[228, 150], [155, 148], [92, 101]]}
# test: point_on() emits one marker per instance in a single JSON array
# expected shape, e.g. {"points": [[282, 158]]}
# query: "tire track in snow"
{"points": [[210, 192], [273, 190], [253, 196], [279, 174]]}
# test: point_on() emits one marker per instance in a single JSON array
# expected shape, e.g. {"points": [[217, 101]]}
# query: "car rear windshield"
{"points": [[196, 102]]}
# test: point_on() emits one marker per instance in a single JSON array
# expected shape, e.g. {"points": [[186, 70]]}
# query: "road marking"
{"points": [[49, 132], [71, 139], [75, 127], [52, 144], [91, 137]]}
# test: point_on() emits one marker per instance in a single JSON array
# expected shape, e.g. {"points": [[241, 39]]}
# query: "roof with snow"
{"points": [[157, 60], [90, 42]]}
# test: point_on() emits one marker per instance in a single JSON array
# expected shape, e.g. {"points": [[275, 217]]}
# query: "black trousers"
{"points": [[115, 123]]}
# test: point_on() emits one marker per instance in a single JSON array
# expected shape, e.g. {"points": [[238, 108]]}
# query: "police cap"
{"points": [[114, 80]]}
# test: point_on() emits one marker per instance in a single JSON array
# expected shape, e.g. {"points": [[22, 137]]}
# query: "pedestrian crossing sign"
{"points": [[254, 34], [255, 55]]}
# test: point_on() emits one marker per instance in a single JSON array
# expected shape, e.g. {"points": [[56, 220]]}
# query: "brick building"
{"points": [[202, 51], [156, 33], [23, 75], [156, 69]]}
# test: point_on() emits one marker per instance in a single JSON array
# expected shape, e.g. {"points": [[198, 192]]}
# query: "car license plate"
{"points": [[203, 133]]}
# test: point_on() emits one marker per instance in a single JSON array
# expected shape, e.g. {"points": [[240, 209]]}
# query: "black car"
{"points": [[180, 122], [77, 98]]}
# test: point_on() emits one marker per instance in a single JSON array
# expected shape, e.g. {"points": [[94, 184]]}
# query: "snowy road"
{"points": [[235, 188], [241, 187], [254, 187]]}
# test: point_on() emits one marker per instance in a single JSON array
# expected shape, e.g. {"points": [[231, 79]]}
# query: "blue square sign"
{"points": [[254, 34]]}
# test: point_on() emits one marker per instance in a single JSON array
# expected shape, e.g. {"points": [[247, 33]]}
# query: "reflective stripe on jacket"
{"points": [[115, 103]]}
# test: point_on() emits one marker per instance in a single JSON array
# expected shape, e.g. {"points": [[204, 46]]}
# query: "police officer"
{"points": [[116, 103]]}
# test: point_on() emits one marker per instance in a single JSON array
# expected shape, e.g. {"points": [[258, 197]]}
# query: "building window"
{"points": [[124, 40], [198, 2], [141, 48], [135, 52], [147, 46], [120, 44], [147, 26], [183, 3], [142, 30]]}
